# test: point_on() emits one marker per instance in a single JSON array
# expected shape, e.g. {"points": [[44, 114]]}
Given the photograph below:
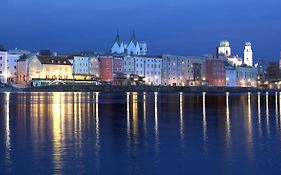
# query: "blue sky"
{"points": [[185, 27]]}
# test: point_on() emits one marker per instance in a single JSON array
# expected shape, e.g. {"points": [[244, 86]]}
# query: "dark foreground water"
{"points": [[139, 133]]}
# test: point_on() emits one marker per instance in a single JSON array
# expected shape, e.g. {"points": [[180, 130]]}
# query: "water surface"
{"points": [[140, 133]]}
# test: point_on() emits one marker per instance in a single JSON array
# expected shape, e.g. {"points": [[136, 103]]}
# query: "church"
{"points": [[134, 47], [225, 50]]}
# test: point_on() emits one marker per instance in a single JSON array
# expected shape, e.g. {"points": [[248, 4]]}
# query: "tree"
{"points": [[273, 71]]}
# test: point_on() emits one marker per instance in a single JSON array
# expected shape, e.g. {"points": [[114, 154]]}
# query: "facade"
{"points": [[3, 65], [134, 47], [215, 72], [246, 76], [106, 68], [248, 54], [231, 76], [149, 67], [183, 70], [37, 69], [12, 67], [94, 69], [129, 65], [118, 66], [22, 69], [80, 65]]}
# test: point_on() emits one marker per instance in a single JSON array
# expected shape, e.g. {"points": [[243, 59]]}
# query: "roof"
{"points": [[134, 38], [118, 39], [57, 60]]}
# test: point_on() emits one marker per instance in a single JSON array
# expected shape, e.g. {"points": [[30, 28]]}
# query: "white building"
{"points": [[231, 76], [8, 64], [3, 65], [140, 66], [246, 76], [80, 65], [133, 48], [129, 65], [248, 54], [94, 66], [149, 67]]}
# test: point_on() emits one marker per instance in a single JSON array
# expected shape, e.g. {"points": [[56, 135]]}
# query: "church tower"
{"points": [[118, 46], [133, 46], [248, 54], [224, 48]]}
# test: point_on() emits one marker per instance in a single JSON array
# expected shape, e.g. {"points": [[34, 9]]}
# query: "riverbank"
{"points": [[163, 89]]}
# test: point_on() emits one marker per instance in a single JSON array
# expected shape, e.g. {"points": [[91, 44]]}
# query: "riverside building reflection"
{"points": [[144, 113], [267, 115], [205, 137], [60, 133], [181, 119], [259, 114], [7, 132], [228, 124]]}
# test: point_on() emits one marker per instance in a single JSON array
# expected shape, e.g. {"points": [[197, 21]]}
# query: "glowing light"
{"points": [[259, 112], [7, 129], [228, 125], [181, 117], [205, 138]]}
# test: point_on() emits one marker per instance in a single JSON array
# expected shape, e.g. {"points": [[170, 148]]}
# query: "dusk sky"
{"points": [[184, 27]]}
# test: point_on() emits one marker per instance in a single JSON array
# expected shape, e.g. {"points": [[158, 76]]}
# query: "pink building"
{"points": [[118, 65], [106, 68], [215, 72]]}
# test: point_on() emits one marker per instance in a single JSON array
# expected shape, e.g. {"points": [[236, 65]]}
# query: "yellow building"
{"points": [[44, 69]]}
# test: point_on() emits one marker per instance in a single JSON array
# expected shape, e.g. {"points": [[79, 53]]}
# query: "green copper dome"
{"points": [[224, 44]]}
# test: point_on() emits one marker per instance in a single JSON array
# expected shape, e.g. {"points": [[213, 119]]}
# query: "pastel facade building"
{"points": [[8, 64], [118, 64], [37, 70], [106, 68], [81, 65], [149, 67], [153, 69], [215, 72], [231, 76], [183, 70], [246, 76], [3, 65], [94, 66], [129, 65]]}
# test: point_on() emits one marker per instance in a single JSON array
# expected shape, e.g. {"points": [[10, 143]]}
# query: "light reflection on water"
{"points": [[63, 132]]}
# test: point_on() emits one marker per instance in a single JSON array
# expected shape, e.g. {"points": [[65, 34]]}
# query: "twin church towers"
{"points": [[225, 49], [134, 47]]}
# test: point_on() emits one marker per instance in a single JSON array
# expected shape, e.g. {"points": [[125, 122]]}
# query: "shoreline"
{"points": [[116, 89]]}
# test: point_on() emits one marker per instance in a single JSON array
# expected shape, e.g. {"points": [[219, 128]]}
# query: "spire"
{"points": [[118, 39], [134, 38]]}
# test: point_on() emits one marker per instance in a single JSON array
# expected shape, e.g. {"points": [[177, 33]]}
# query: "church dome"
{"points": [[224, 44], [248, 44]]}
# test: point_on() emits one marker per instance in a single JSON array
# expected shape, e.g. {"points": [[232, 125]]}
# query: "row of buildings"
{"points": [[129, 64]]}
